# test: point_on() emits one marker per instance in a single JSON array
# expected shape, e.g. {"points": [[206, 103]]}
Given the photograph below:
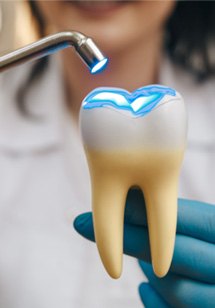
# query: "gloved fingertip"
{"points": [[83, 224], [142, 290], [80, 221]]}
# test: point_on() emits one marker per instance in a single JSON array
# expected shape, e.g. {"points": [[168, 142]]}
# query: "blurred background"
{"points": [[16, 25]]}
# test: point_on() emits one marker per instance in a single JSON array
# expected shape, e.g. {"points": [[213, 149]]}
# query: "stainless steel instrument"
{"points": [[84, 46]]}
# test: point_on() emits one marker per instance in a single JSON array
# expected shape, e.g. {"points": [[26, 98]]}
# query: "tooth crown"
{"points": [[162, 127], [134, 139]]}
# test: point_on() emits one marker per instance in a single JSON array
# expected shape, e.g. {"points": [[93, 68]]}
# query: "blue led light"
{"points": [[98, 67], [139, 102]]}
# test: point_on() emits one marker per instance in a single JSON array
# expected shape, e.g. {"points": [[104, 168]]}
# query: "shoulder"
{"points": [[183, 82]]}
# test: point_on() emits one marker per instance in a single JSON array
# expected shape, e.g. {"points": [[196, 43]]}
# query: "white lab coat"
{"points": [[44, 180]]}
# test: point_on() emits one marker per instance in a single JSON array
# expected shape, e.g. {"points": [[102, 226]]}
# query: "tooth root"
{"points": [[108, 215], [108, 199], [162, 227], [160, 193]]}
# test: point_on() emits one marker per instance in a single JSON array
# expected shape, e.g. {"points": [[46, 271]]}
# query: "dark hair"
{"points": [[190, 34]]}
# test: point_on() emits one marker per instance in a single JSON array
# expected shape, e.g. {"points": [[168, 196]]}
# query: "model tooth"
{"points": [[130, 140], [109, 196]]}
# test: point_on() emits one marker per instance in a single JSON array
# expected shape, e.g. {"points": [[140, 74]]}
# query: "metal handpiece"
{"points": [[84, 46]]}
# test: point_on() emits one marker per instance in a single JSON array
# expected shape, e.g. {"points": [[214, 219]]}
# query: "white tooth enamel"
{"points": [[124, 150]]}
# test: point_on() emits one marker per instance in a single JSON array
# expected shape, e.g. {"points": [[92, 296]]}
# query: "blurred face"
{"points": [[114, 25]]}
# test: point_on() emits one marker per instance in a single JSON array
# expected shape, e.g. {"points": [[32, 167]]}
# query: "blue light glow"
{"points": [[139, 102], [98, 67]]}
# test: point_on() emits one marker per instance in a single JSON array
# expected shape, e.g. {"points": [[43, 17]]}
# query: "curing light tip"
{"points": [[100, 66]]}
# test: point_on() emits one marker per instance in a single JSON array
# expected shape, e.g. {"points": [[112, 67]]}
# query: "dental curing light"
{"points": [[84, 46], [100, 66]]}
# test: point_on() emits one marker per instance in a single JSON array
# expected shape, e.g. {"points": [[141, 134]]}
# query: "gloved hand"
{"points": [[191, 279]]}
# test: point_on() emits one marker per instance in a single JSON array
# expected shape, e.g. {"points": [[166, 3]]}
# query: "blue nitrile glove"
{"points": [[191, 279]]}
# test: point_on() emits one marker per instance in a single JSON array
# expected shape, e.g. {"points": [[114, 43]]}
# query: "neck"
{"points": [[130, 69]]}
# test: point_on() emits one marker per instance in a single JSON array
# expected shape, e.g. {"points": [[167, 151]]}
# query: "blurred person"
{"points": [[44, 175]]}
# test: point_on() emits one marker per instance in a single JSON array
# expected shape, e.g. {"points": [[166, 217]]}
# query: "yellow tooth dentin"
{"points": [[112, 174]]}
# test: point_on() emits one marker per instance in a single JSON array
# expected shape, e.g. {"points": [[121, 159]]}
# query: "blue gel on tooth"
{"points": [[139, 102]]}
